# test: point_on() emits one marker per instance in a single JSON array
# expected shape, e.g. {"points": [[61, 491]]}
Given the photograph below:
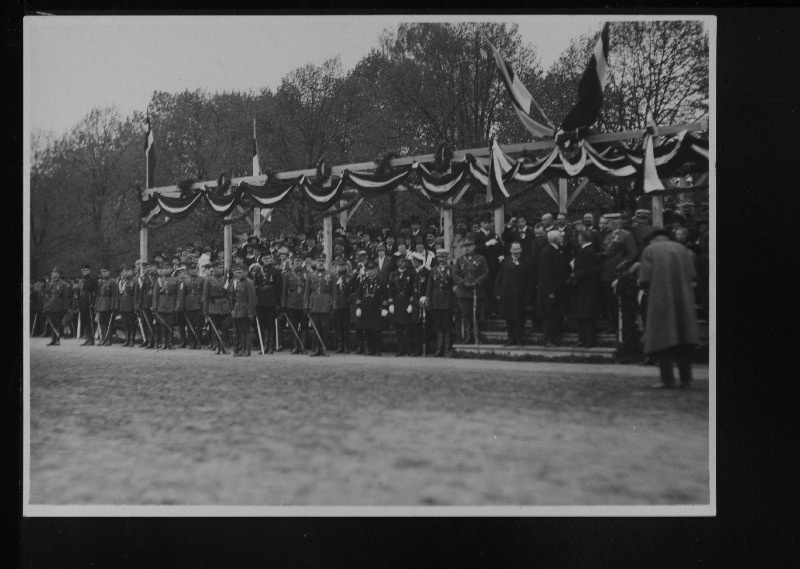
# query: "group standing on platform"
{"points": [[279, 295]]}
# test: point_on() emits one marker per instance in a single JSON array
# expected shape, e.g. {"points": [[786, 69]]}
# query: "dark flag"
{"points": [[590, 88]]}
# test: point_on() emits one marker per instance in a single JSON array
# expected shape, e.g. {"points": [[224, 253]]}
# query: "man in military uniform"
{"points": [[126, 303], [343, 287], [292, 297], [469, 274], [215, 303], [372, 308], [419, 335], [318, 300], [56, 301], [190, 299], [144, 302], [439, 298], [619, 252], [401, 305], [165, 304], [105, 303], [87, 290], [243, 296]]}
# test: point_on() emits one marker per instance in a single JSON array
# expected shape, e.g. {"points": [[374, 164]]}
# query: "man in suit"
{"points": [[585, 280], [489, 245], [57, 295], [550, 300], [513, 293], [469, 275], [385, 264], [524, 236]]}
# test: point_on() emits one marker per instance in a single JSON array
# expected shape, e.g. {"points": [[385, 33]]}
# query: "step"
{"points": [[524, 352]]}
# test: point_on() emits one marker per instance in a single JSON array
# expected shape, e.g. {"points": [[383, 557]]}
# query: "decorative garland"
{"points": [[614, 165]]}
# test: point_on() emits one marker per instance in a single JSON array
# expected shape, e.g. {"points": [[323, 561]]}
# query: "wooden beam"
{"points": [[355, 208], [699, 181], [577, 191], [457, 155], [447, 229], [562, 195], [143, 244], [257, 222], [550, 188], [460, 194], [227, 239], [327, 240]]}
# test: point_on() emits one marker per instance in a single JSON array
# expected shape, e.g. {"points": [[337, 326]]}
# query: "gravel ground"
{"points": [[117, 425]]}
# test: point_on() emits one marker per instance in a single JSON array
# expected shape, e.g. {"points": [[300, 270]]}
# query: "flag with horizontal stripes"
{"points": [[521, 98], [590, 88], [150, 153]]}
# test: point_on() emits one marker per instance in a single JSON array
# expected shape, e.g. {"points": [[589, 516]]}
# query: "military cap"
{"points": [[283, 251], [442, 253], [643, 213], [612, 215], [339, 240], [87, 266], [362, 253], [418, 256], [239, 267], [371, 265], [253, 266], [469, 238], [56, 270], [402, 260]]}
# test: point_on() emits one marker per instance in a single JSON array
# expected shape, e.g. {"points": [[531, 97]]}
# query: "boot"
{"points": [[182, 331], [246, 345], [439, 345], [53, 341], [360, 338], [446, 343]]}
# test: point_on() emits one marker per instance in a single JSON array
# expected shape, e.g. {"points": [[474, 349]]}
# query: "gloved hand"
{"points": [[423, 300], [358, 313], [391, 308], [491, 242], [409, 309], [384, 313]]}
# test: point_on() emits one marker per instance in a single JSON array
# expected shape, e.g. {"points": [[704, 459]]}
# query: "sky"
{"points": [[73, 64]]}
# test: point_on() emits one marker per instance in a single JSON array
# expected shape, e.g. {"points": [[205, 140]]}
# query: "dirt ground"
{"points": [[117, 425]]}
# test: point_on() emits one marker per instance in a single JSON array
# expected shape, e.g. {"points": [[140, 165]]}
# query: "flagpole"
{"points": [[143, 228], [256, 172]]}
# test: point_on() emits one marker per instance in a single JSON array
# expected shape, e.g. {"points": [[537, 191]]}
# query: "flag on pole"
{"points": [[149, 152], [495, 185], [590, 88], [520, 96], [256, 165]]}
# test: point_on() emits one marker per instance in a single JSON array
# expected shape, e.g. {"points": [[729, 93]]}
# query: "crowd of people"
{"points": [[541, 270]]}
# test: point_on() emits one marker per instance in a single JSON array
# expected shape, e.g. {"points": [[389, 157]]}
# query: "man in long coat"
{"points": [[401, 305], [513, 293], [584, 306], [668, 272], [551, 292], [372, 308]]}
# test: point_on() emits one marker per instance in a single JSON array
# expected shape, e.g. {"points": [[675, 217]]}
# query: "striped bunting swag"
{"points": [[590, 88], [520, 96]]}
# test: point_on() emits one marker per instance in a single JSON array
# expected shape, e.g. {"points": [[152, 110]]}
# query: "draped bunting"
{"points": [[616, 164]]}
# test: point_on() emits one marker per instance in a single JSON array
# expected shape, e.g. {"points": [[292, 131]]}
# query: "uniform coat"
{"points": [[401, 295], [294, 290], [56, 296], [343, 287], [215, 297], [440, 288], [372, 297], [470, 268], [165, 295], [87, 289], [420, 290], [243, 296], [126, 299], [191, 297], [618, 246], [270, 288], [584, 298], [513, 287], [107, 292], [671, 314], [318, 296]]}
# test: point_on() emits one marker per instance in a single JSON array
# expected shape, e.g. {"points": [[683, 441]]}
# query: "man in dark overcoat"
{"points": [[551, 291], [513, 293], [372, 308], [584, 306], [401, 305]]}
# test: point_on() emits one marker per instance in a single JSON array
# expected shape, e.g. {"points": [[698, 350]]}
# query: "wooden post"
{"points": [[562, 195], [327, 240], [343, 215], [499, 219], [227, 238], [142, 245], [657, 205], [257, 222], [447, 228]]}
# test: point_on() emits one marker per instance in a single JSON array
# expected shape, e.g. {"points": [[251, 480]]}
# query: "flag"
{"points": [[520, 96], [150, 153], [495, 185], [650, 180], [590, 88], [256, 166]]}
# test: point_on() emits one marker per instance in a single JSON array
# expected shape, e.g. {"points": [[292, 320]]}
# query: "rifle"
{"points": [[260, 337], [219, 336], [321, 343]]}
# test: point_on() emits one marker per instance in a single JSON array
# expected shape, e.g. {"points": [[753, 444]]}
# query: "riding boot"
{"points": [[246, 345], [446, 343], [360, 339], [182, 331]]}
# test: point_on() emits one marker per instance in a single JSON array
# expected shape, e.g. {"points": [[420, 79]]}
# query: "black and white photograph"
{"points": [[369, 265]]}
